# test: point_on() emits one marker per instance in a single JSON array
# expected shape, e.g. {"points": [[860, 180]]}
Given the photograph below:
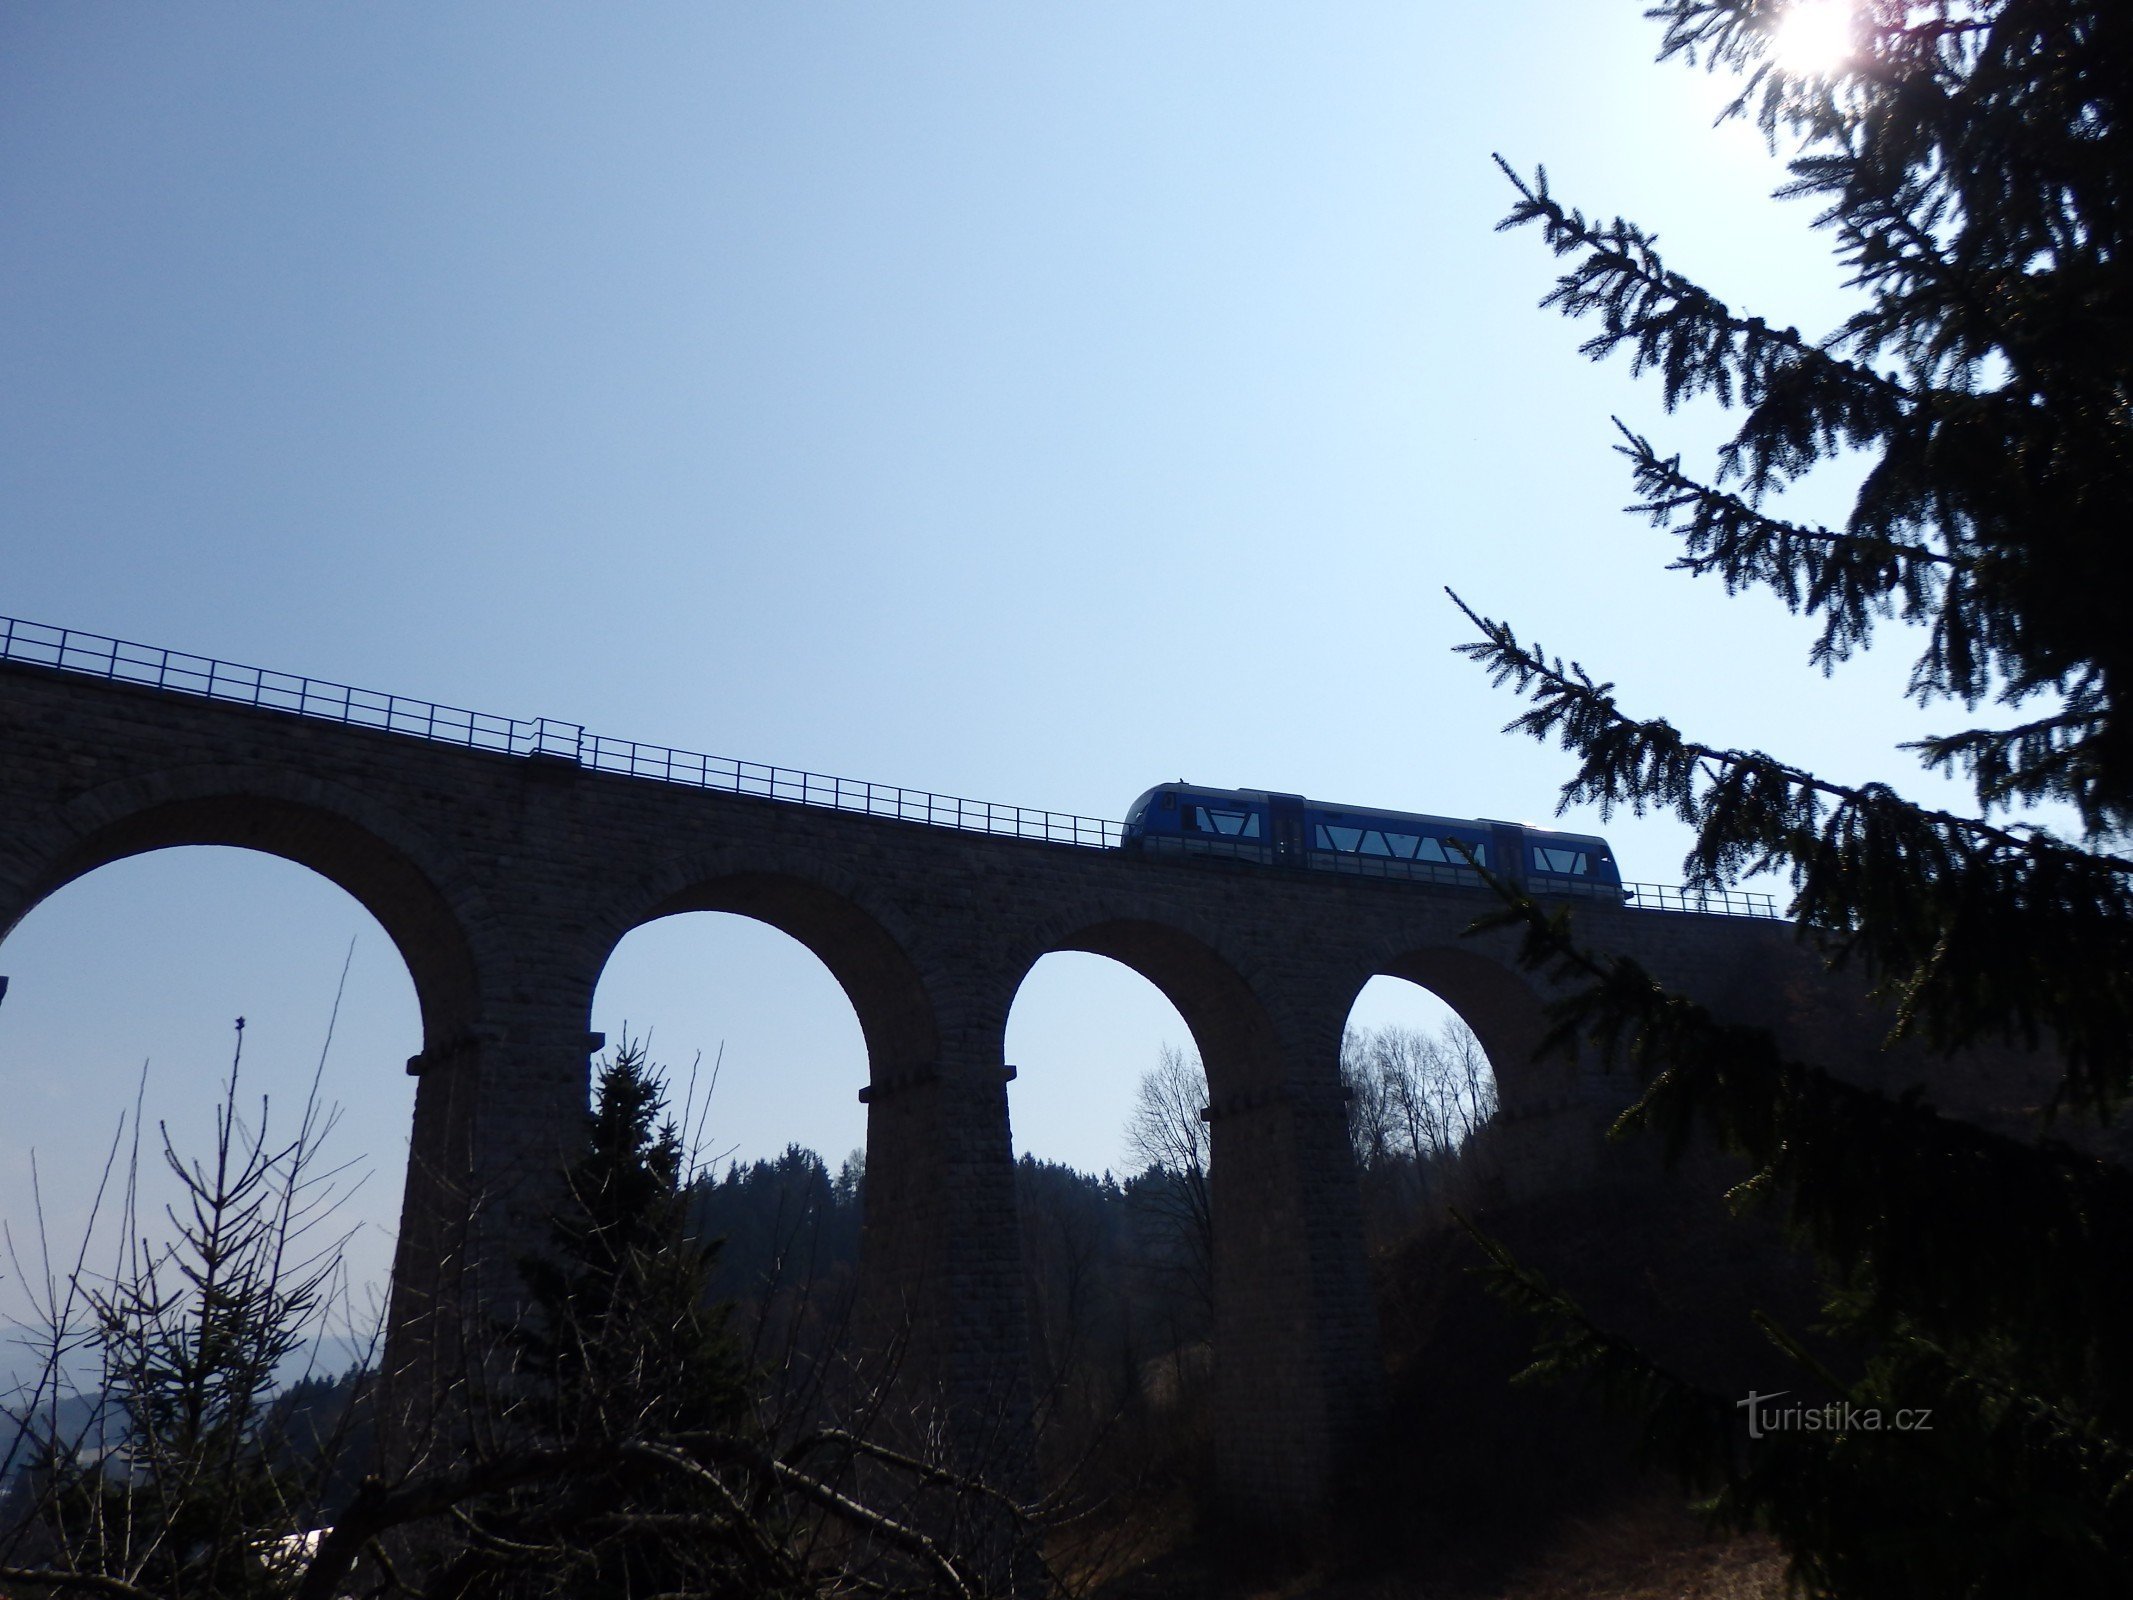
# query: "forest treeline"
{"points": [[688, 1325], [1119, 1282], [1118, 1267]]}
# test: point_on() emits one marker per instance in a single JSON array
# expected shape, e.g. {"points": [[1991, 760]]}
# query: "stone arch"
{"points": [[1230, 1023], [1296, 1367], [864, 945], [435, 919], [1491, 997], [1548, 1133]]}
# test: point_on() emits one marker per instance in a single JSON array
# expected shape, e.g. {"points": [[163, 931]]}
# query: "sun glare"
{"points": [[1813, 38]]}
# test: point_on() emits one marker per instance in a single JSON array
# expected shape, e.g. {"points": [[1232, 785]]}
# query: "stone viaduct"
{"points": [[506, 864]]}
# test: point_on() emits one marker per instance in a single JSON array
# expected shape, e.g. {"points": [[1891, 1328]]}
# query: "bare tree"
{"points": [[1407, 1062], [1472, 1098], [1374, 1127], [1168, 1137], [181, 1472], [1414, 1100]]}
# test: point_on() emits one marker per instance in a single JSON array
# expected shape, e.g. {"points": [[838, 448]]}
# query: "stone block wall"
{"points": [[506, 883]]}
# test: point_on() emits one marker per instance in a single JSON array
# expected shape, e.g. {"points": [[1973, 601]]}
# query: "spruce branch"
{"points": [[2046, 758], [1584, 716], [2001, 440], [1694, 1431], [1976, 931], [1970, 159], [1938, 1224], [1849, 578], [1695, 341]]}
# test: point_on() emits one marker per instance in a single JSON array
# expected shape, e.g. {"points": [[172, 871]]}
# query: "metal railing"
{"points": [[843, 794], [202, 677], [176, 672], [1708, 902]]}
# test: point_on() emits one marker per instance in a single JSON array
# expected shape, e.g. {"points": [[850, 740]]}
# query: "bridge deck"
{"points": [[177, 672]]}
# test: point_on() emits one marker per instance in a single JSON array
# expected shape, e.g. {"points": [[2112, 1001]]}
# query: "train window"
{"points": [[1374, 844], [1570, 863], [1348, 840], [1402, 845], [1230, 824]]}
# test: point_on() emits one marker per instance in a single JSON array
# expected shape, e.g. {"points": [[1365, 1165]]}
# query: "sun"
{"points": [[1813, 38]]}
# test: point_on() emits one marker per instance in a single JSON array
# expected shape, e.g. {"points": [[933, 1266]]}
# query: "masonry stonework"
{"points": [[507, 881]]}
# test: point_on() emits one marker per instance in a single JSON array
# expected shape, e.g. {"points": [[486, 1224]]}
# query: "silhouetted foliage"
{"points": [[1973, 159], [612, 1440], [1414, 1102], [1115, 1314], [177, 1468], [787, 1258], [779, 1222], [632, 1447], [622, 1342], [1168, 1136], [327, 1428]]}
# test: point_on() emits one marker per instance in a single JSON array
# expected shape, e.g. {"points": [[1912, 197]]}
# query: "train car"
{"points": [[1288, 830]]}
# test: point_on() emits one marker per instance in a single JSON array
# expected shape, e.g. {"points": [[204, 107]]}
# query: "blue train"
{"points": [[1288, 830]]}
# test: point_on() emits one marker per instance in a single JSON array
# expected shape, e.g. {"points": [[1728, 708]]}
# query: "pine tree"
{"points": [[1975, 162], [623, 1333], [622, 1348]]}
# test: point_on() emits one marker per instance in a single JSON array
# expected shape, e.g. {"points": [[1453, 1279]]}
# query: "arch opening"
{"points": [[1234, 1038], [726, 995], [770, 1003], [876, 976], [1115, 1035], [1084, 1032], [341, 839], [126, 983], [1421, 1092]]}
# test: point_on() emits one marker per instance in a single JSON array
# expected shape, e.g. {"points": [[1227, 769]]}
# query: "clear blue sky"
{"points": [[1031, 403]]}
